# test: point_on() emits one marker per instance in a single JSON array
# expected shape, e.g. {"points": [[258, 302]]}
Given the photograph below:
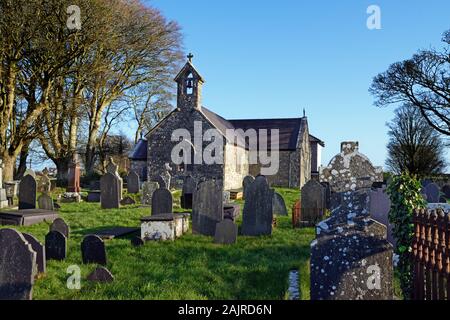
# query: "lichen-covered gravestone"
{"points": [[110, 191], [187, 192], [93, 250], [45, 202], [17, 266], [113, 169], [40, 252], [313, 202], [207, 207], [27, 193], [279, 206], [226, 232], [248, 180], [258, 209], [148, 188], [60, 225], [55, 246], [162, 202], [133, 182], [350, 257]]}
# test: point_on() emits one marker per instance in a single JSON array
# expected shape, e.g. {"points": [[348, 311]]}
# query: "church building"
{"points": [[299, 152]]}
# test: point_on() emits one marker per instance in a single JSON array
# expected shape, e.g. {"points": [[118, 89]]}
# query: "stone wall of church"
{"points": [[140, 167], [160, 148], [236, 166], [288, 170]]}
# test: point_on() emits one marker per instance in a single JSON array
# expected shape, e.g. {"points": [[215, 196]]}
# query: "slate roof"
{"points": [[139, 152]]}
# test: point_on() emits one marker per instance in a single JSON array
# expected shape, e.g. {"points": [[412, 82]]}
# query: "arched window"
{"points": [[190, 84]]}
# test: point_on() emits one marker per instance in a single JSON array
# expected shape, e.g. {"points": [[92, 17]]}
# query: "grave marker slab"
{"points": [[60, 225], [101, 274], [226, 232], [207, 207], [110, 192], [248, 180], [147, 192], [133, 182], [45, 202], [162, 202], [40, 252], [313, 202], [55, 246], [93, 250], [279, 206], [27, 193]]}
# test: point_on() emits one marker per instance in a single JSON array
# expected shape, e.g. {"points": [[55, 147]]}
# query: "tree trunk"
{"points": [[22, 164], [9, 163], [90, 160], [62, 165]]}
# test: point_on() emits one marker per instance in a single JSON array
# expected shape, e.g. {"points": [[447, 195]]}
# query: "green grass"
{"points": [[191, 267]]}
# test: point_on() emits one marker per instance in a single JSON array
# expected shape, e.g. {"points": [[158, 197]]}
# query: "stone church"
{"points": [[299, 152]]}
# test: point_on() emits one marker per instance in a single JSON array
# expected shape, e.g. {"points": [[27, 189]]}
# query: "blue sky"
{"points": [[264, 59]]}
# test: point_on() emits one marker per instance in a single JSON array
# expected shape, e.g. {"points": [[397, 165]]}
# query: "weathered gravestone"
{"points": [[432, 192], [279, 206], [39, 248], [44, 183], [60, 225], [17, 266], [109, 187], [313, 202], [45, 202], [162, 202], [327, 189], [148, 188], [133, 182], [446, 190], [161, 182], [73, 176], [350, 257], [248, 180], [55, 246], [29, 172], [226, 232], [27, 193], [380, 205], [207, 207], [258, 209], [113, 168], [101, 274], [187, 192], [93, 250], [127, 201]]}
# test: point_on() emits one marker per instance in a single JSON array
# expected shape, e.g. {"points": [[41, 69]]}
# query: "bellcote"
{"points": [[190, 82]]}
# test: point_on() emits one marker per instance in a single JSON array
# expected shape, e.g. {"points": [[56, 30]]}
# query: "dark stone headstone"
{"points": [[326, 187], [162, 201], [432, 192], [101, 274], [137, 242], [312, 202], [226, 232], [380, 205], [279, 206], [73, 176], [231, 211], [40, 252], [93, 196], [258, 210], [127, 201], [45, 202], [110, 191], [446, 190], [207, 207], [93, 250], [27, 193], [187, 192], [55, 246], [17, 266], [248, 180], [133, 182], [60, 225]]}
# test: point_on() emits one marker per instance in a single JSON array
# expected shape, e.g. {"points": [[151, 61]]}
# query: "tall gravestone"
{"points": [[248, 180], [93, 250], [39, 248], [279, 206], [45, 202], [148, 188], [73, 176], [380, 205], [113, 169], [109, 191], [133, 182], [350, 257], [187, 192], [313, 202], [55, 246], [27, 193], [162, 202], [17, 266], [258, 209], [207, 207]]}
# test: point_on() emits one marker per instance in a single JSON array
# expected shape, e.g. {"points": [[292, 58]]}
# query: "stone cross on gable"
{"points": [[190, 56]]}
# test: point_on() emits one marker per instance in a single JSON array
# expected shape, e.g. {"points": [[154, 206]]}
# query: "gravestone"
{"points": [[313, 202], [29, 172], [380, 205], [258, 210], [110, 192], [113, 168], [55, 246], [432, 192], [73, 176], [133, 182], [127, 201], [279, 206], [44, 183], [101, 274], [187, 192], [17, 266], [226, 232], [27, 193], [446, 191], [148, 188], [60, 225], [207, 207], [166, 176], [327, 189], [162, 202], [5, 198], [45, 202], [93, 250], [246, 182], [40, 252], [350, 170]]}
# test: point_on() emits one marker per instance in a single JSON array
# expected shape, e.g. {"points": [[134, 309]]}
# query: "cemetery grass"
{"points": [[192, 267]]}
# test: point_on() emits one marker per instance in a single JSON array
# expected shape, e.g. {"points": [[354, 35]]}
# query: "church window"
{"points": [[190, 84]]}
